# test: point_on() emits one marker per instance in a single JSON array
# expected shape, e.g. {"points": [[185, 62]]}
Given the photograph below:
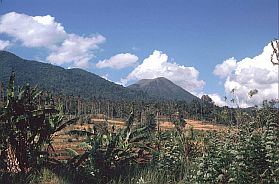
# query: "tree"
{"points": [[150, 122], [207, 106]]}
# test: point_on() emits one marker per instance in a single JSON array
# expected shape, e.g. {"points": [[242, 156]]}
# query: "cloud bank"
{"points": [[45, 32], [249, 74]]}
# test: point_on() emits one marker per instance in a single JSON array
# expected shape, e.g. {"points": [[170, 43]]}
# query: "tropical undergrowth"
{"points": [[137, 153]]}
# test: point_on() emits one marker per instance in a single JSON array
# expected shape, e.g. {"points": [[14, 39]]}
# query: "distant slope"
{"points": [[57, 79], [163, 88]]}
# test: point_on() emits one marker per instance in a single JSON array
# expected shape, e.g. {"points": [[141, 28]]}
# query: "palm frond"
{"points": [[70, 152]]}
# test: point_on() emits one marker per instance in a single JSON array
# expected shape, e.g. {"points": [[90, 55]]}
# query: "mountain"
{"points": [[59, 80], [79, 82], [163, 88]]}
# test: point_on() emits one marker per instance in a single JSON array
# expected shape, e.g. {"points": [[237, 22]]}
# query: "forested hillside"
{"points": [[76, 82]]}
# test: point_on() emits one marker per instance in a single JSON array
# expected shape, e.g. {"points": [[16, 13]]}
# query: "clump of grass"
{"points": [[147, 176], [46, 176]]}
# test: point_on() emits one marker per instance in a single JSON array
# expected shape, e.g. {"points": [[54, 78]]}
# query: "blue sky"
{"points": [[197, 33]]}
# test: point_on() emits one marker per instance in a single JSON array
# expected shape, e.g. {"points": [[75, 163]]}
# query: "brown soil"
{"points": [[200, 125]]}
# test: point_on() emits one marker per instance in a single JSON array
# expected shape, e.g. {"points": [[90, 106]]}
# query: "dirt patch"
{"points": [[196, 125], [166, 125], [200, 125]]}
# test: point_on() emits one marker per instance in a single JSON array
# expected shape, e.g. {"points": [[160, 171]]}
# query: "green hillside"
{"points": [[59, 80]]}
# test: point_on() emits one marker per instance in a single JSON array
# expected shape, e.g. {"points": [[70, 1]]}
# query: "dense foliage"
{"points": [[28, 121], [139, 152], [247, 155]]}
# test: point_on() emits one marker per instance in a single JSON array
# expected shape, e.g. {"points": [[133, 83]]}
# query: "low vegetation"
{"points": [[137, 151]]}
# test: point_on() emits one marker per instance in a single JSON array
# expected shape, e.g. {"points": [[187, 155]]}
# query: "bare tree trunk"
{"points": [[108, 110], [78, 106], [158, 123], [12, 162], [1, 93]]}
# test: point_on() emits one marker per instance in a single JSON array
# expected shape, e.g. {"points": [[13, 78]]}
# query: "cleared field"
{"points": [[195, 124], [62, 141], [200, 125]]}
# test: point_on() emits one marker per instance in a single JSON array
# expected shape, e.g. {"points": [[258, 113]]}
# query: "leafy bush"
{"points": [[114, 153], [249, 155], [27, 125]]}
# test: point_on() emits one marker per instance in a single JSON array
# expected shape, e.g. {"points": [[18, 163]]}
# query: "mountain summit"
{"points": [[163, 88]]}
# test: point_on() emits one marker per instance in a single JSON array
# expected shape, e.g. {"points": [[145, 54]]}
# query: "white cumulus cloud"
{"points": [[249, 74], [4, 44], [37, 31], [45, 32], [223, 70], [75, 50], [157, 65], [118, 61]]}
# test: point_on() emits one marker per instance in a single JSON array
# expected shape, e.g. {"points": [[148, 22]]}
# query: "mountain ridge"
{"points": [[56, 79], [79, 82]]}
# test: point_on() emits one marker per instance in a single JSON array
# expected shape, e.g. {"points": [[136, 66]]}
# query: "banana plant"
{"points": [[112, 152], [26, 126]]}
